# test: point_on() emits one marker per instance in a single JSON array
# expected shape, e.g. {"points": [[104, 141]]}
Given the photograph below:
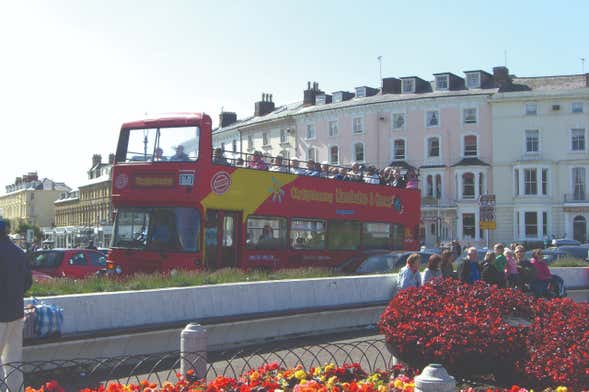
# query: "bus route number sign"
{"points": [[186, 179]]}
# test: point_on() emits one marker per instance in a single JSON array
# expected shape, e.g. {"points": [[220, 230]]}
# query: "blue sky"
{"points": [[73, 71]]}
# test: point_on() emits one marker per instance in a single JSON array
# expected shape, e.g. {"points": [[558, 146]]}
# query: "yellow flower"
{"points": [[254, 376], [317, 371], [329, 367], [300, 374], [562, 389], [398, 384], [331, 381], [382, 388]]}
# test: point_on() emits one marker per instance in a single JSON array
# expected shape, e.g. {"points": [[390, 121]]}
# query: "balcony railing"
{"points": [[576, 197]]}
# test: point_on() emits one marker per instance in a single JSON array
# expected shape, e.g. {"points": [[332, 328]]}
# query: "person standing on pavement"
{"points": [[469, 271], [409, 275], [15, 280]]}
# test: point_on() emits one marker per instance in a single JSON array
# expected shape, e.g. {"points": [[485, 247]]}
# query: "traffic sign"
{"points": [[487, 212]]}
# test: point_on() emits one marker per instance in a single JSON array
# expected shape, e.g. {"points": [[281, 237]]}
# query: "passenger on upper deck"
{"points": [[397, 180], [257, 162], [411, 179], [355, 174], [371, 177], [219, 158], [325, 171], [294, 167], [277, 165], [312, 169], [180, 154], [159, 155]]}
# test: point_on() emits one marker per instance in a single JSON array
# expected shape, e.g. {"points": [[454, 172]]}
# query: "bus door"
{"points": [[222, 238]]}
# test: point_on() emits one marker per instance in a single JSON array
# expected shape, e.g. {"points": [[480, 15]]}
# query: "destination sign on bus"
{"points": [[373, 199], [154, 181]]}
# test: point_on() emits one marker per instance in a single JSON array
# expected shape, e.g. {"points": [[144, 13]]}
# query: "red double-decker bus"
{"points": [[177, 208]]}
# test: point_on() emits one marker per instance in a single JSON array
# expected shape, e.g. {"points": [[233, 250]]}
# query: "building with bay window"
{"points": [[541, 158]]}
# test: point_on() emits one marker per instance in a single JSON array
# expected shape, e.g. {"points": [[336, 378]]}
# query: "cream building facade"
{"points": [[541, 159], [31, 200], [86, 213]]}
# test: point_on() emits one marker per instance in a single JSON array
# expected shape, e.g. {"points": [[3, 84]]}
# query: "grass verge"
{"points": [[97, 284]]}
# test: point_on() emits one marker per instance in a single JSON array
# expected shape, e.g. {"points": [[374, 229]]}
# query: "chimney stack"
{"points": [[96, 160], [227, 118], [311, 93], [111, 159], [501, 78], [264, 106]]}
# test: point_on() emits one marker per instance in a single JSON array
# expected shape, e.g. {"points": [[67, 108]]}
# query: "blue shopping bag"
{"points": [[48, 319]]}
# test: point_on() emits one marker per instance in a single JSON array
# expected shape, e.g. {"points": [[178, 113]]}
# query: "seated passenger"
{"points": [[257, 162], [355, 174], [397, 180], [324, 170], [370, 177], [277, 165], [312, 169], [159, 155], [180, 154], [411, 179], [294, 167], [299, 243], [239, 162], [219, 158]]}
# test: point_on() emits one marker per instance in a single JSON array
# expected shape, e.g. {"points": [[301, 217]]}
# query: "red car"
{"points": [[71, 263]]}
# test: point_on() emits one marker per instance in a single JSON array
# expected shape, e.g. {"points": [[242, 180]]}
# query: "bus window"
{"points": [[398, 237], [163, 144], [344, 235], [131, 229], [376, 236], [307, 234], [266, 233], [171, 229]]}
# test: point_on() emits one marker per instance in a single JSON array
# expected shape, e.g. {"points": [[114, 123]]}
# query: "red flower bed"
{"points": [[466, 328]]}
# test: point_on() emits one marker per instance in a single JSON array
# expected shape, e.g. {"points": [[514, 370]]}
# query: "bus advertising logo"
{"points": [[121, 181], [220, 182], [276, 191]]}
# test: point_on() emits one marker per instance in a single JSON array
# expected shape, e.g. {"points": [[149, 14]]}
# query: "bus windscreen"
{"points": [[163, 144]]}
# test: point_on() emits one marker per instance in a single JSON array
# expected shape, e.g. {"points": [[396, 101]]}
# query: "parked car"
{"points": [[379, 262], [550, 255], [574, 251], [40, 277], [73, 263], [557, 242]]}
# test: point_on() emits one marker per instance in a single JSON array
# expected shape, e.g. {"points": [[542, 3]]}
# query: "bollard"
{"points": [[193, 350], [435, 378]]}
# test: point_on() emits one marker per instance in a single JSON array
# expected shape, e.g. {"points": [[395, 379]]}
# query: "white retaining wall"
{"points": [[103, 311], [91, 312]]}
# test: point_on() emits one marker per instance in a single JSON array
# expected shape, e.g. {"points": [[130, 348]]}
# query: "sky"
{"points": [[71, 72]]}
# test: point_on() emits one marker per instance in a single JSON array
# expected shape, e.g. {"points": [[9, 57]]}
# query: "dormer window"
{"points": [[442, 82], [473, 80], [338, 97], [408, 85], [320, 99], [360, 92]]}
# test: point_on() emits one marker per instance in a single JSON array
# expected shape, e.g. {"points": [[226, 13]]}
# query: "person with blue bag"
{"points": [[15, 280]]}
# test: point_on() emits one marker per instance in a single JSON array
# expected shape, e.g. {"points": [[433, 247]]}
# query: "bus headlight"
{"points": [[118, 270]]}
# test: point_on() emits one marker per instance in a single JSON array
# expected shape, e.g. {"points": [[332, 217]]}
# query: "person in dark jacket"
{"points": [[489, 271], [469, 271], [15, 280]]}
